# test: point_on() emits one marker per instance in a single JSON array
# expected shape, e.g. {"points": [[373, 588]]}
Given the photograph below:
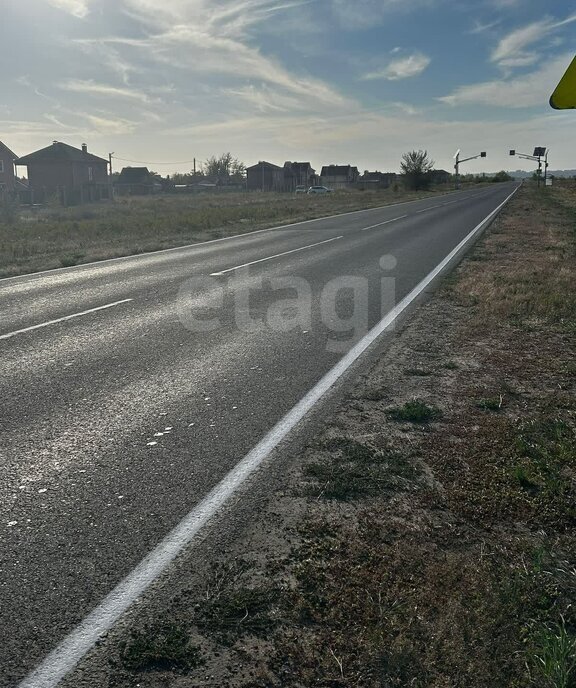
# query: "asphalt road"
{"points": [[88, 484]]}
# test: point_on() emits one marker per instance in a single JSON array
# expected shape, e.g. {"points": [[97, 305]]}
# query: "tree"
{"points": [[501, 176], [226, 166], [416, 167]]}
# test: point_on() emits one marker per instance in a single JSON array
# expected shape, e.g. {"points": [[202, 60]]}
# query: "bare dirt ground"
{"points": [[427, 537]]}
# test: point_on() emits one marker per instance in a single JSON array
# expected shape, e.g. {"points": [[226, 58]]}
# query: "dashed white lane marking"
{"points": [[59, 320], [387, 222], [277, 255], [83, 638], [200, 244]]}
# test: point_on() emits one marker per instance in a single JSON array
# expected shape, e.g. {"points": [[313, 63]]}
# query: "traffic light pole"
{"points": [[458, 162], [537, 158]]}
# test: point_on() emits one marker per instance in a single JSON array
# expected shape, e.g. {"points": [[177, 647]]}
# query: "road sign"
{"points": [[564, 97]]}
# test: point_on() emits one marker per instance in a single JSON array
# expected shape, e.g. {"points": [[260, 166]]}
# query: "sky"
{"points": [[161, 82]]}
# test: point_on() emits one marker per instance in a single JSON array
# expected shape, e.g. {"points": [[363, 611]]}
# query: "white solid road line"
{"points": [[59, 320], [83, 638], [384, 223], [277, 255]]}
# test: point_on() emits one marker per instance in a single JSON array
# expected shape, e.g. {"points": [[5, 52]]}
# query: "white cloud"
{"points": [[403, 68], [105, 90], [108, 125], [265, 99], [206, 38], [526, 90], [511, 51], [407, 108], [77, 8], [480, 27]]}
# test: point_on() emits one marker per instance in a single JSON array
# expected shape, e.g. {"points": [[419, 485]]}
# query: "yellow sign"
{"points": [[564, 97]]}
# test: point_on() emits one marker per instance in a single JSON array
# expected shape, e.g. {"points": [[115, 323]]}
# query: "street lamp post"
{"points": [[458, 162]]}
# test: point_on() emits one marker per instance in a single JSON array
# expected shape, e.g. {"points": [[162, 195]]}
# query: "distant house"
{"points": [[440, 177], [299, 174], [7, 175], [136, 181], [339, 176], [377, 180], [72, 175], [265, 176]]}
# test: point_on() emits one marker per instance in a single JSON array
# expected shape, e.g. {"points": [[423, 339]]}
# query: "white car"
{"points": [[319, 190]]}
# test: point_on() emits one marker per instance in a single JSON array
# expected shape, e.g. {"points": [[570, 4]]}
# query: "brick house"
{"points": [[265, 176], [73, 175], [339, 176], [7, 174]]}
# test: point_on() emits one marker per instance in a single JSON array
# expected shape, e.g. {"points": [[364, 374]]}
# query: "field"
{"points": [[426, 538], [45, 238]]}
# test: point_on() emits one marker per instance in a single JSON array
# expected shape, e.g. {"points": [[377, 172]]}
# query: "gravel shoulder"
{"points": [[426, 536]]}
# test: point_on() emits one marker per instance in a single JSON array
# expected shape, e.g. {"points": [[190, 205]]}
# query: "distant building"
{"points": [[265, 176], [7, 174], [377, 180], [136, 181], [299, 174], [440, 177], [339, 176], [72, 175]]}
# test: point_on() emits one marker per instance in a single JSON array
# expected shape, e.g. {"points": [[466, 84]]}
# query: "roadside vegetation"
{"points": [[44, 238]]}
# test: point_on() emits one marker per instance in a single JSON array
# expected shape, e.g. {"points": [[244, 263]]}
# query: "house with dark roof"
{"points": [[339, 176], [7, 173], [299, 174], [440, 177], [136, 181], [265, 176], [73, 175]]}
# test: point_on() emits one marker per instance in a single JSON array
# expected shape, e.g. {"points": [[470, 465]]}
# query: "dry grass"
{"points": [[530, 287], [59, 237]]}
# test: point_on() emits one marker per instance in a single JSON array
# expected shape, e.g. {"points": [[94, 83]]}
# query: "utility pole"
{"points": [[111, 185]]}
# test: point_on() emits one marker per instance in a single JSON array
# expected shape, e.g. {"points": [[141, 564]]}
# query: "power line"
{"points": [[147, 162]]}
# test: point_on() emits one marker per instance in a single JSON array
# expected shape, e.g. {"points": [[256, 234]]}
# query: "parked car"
{"points": [[301, 188], [319, 190]]}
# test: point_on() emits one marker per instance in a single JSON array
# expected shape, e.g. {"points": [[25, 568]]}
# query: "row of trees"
{"points": [[223, 167]]}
